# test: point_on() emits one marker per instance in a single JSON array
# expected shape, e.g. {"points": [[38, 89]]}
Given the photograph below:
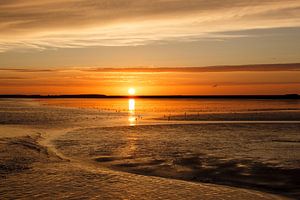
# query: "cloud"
{"points": [[233, 68], [148, 70], [27, 70], [80, 23]]}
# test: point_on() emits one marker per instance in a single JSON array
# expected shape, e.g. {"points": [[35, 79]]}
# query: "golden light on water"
{"points": [[131, 120], [131, 108], [131, 105]]}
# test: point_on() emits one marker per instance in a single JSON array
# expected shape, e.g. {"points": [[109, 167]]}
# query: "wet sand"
{"points": [[36, 162], [29, 170], [211, 153], [285, 115]]}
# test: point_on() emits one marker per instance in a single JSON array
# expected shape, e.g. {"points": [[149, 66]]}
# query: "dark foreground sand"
{"points": [[31, 171], [227, 154]]}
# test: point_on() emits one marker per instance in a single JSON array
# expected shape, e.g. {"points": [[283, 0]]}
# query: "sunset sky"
{"points": [[83, 46]]}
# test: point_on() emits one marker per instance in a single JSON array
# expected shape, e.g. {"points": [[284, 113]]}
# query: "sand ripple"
{"points": [[48, 177]]}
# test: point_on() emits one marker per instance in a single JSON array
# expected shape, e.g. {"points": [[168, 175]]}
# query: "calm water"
{"points": [[190, 109], [178, 105], [242, 143]]}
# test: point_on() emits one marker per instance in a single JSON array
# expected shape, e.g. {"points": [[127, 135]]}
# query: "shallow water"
{"points": [[262, 156], [84, 147], [190, 109], [179, 105]]}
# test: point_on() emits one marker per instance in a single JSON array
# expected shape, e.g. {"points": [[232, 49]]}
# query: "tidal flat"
{"points": [[130, 149]]}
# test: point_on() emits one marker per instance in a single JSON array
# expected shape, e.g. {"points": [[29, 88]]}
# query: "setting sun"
{"points": [[131, 91]]}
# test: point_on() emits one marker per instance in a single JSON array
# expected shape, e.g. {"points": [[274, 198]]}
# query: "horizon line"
{"points": [[99, 96]]}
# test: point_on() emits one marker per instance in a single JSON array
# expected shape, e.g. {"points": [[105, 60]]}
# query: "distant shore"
{"points": [[102, 96]]}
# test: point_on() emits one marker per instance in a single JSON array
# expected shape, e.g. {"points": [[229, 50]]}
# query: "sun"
{"points": [[131, 91]]}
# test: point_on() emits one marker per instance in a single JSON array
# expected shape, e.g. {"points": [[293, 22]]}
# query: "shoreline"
{"points": [[36, 143], [48, 135]]}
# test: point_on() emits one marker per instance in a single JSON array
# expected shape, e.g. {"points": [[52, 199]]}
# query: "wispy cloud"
{"points": [[79, 23], [226, 68], [234, 68], [27, 70]]}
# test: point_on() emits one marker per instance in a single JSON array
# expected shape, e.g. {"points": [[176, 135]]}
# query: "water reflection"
{"points": [[131, 105], [131, 108]]}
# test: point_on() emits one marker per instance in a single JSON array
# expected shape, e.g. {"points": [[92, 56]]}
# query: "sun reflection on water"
{"points": [[131, 105], [131, 108]]}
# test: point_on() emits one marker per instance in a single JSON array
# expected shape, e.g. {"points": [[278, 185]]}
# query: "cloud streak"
{"points": [[234, 68], [82, 23], [226, 68]]}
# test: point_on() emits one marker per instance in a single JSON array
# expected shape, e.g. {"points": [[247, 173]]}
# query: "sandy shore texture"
{"points": [[36, 163], [29, 170]]}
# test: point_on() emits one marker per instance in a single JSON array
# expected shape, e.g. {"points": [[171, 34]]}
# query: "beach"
{"points": [[143, 149]]}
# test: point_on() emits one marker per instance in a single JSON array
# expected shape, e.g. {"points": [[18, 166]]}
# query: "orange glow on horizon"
{"points": [[155, 83]]}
